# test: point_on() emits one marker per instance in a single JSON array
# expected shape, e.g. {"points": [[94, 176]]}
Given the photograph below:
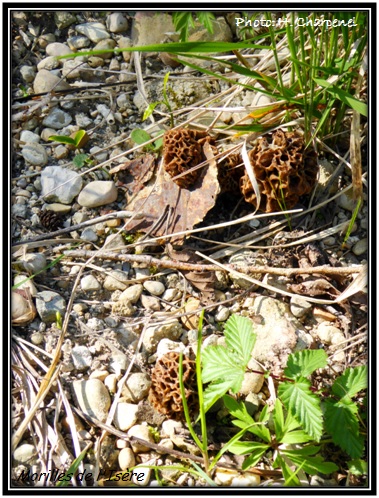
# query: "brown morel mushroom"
{"points": [[284, 171], [164, 392]]}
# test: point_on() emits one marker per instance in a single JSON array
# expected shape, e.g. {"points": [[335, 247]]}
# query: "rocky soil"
{"points": [[120, 316]]}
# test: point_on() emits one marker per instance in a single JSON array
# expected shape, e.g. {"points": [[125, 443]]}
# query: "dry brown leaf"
{"points": [[134, 174], [184, 208], [191, 321], [316, 287]]}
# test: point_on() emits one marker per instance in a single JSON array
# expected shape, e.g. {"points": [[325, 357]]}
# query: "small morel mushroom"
{"points": [[229, 174], [164, 392], [183, 150], [50, 220], [284, 171]]}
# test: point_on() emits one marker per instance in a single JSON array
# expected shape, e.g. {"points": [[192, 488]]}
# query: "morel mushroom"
{"points": [[284, 171], [164, 392], [182, 151]]}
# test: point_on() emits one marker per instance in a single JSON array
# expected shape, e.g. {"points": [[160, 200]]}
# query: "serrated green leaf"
{"points": [[310, 464], [278, 418], [303, 405], [304, 363], [62, 139], [238, 410], [296, 437], [240, 337], [357, 467], [220, 363], [350, 382], [342, 424], [254, 458], [215, 391]]}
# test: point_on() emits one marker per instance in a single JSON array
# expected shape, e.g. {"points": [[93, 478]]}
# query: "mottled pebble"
{"points": [[78, 42], [81, 357], [171, 330], [118, 363], [325, 332], [132, 293], [126, 459], [136, 387], [150, 303], [99, 374], [25, 454], [346, 200], [64, 18], [57, 49], [57, 119], [98, 193], [155, 288], [83, 121], [360, 247], [52, 180], [171, 294], [126, 415], [72, 68], [110, 383], [34, 262], [123, 308], [29, 137], [34, 154], [117, 23], [116, 280], [46, 81], [95, 31], [48, 63], [60, 152], [142, 432], [92, 397], [171, 427], [28, 73], [125, 42], [167, 345], [89, 235], [299, 306], [107, 44], [48, 304], [89, 283], [222, 314]]}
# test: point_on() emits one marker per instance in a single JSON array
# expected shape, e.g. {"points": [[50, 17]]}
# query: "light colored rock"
{"points": [[171, 427], [125, 42], [325, 332], [110, 383], [117, 23], [142, 476], [222, 314], [132, 293], [171, 294], [29, 137], [167, 345], [123, 308], [95, 31], [360, 247], [89, 283], [71, 68], [346, 201], [252, 382], [116, 280], [224, 477], [34, 262], [142, 432], [58, 208], [64, 18], [61, 152], [25, 454], [81, 357], [57, 119], [98, 193], [57, 49], [300, 307], [126, 459], [118, 363], [28, 73], [126, 415], [99, 374], [136, 387], [48, 304], [150, 303], [171, 330], [250, 258], [78, 42], [89, 235], [34, 154], [45, 81], [60, 184], [48, 63], [247, 480], [107, 44], [29, 284], [92, 398], [150, 27], [155, 288]]}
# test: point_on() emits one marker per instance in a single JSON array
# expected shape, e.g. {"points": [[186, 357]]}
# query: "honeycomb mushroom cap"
{"points": [[183, 150], [284, 171], [164, 392]]}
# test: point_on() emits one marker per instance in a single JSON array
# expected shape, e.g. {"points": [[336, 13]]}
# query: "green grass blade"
{"points": [[343, 96]]}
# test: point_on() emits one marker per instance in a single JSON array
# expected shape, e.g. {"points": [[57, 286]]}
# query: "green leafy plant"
{"points": [[140, 137], [183, 21], [78, 141], [81, 160]]}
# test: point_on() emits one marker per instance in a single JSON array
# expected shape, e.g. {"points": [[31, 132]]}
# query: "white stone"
{"points": [[222, 314], [89, 235], [325, 332], [246, 481], [98, 193], [150, 303], [29, 137], [34, 154], [155, 288], [299, 306], [48, 63], [34, 262], [71, 68], [56, 49], [61, 152], [117, 23], [25, 454], [171, 330], [110, 383], [171, 294], [171, 427], [89, 283], [143, 476], [95, 31], [360, 247], [92, 397], [142, 432], [45, 81], [125, 416], [28, 73], [116, 280], [132, 293], [81, 357], [57, 119], [126, 459], [136, 387], [60, 184]]}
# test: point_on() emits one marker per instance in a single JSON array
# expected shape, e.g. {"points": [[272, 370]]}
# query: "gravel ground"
{"points": [[128, 313]]}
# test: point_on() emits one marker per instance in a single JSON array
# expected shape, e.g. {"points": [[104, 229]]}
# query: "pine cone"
{"points": [[50, 220]]}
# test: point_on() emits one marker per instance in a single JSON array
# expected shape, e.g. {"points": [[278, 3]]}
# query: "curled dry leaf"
{"points": [[23, 309], [136, 173], [316, 287]]}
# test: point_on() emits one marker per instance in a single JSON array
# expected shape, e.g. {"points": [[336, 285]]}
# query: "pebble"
{"points": [[29, 137], [61, 152], [360, 247], [118, 363], [116, 280], [83, 121], [125, 42], [100, 154], [123, 308], [28, 73], [126, 415], [155, 288], [329, 241], [34, 262], [78, 42], [142, 432], [25, 454], [107, 44], [34, 154], [57, 49], [20, 210], [117, 23], [171, 427], [126, 459], [99, 374], [57, 119], [143, 475], [132, 293], [346, 201], [45, 81], [246, 257], [98, 193], [92, 397], [89, 283], [89, 235], [252, 382], [37, 338], [71, 68], [136, 387], [64, 18], [81, 357], [48, 304], [111, 383], [58, 208], [46, 133], [95, 31], [222, 314], [171, 330], [325, 332], [167, 345], [248, 480], [150, 303], [300, 307], [45, 39], [171, 294], [29, 284], [53, 190], [48, 63], [224, 477]]}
